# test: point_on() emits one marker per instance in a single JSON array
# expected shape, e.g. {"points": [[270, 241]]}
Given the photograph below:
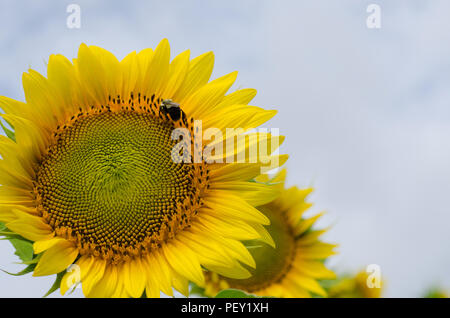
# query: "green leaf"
{"points": [[25, 271], [33, 261], [235, 293], [24, 249], [9, 133], [197, 290], [56, 284], [2, 226]]}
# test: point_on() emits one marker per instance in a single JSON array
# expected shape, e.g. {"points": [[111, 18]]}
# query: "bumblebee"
{"points": [[171, 108]]}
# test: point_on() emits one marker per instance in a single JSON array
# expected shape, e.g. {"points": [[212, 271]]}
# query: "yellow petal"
{"points": [[30, 227], [177, 73], [120, 291], [293, 201], [143, 58], [230, 228], [111, 69], [308, 284], [238, 251], [158, 274], [92, 74], [235, 272], [247, 149], [13, 159], [56, 259], [90, 278], [224, 203], [207, 97], [158, 69], [241, 171], [314, 269], [13, 178], [310, 237], [14, 107], [254, 193], [47, 103], [184, 261], [152, 285], [85, 263], [31, 140], [207, 252], [180, 283], [6, 213], [134, 277], [239, 116], [239, 97], [317, 251], [130, 73], [263, 234], [106, 286], [41, 246], [200, 70], [62, 75], [306, 224]]}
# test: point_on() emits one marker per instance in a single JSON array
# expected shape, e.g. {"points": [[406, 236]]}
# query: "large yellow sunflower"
{"points": [[90, 179], [292, 264]]}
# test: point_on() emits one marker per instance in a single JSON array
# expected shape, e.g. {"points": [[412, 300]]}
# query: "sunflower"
{"points": [[90, 181], [436, 292], [353, 287], [291, 264]]}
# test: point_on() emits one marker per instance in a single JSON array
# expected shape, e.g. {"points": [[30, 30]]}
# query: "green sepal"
{"points": [[249, 247], [25, 271], [56, 284], [9, 133], [10, 235], [4, 231], [33, 261]]}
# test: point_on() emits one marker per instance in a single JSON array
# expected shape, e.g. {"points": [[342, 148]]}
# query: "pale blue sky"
{"points": [[366, 112]]}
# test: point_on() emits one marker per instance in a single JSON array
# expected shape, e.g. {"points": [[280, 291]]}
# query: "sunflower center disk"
{"points": [[109, 183]]}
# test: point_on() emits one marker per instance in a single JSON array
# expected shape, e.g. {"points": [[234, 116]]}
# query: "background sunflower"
{"points": [[292, 265]]}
